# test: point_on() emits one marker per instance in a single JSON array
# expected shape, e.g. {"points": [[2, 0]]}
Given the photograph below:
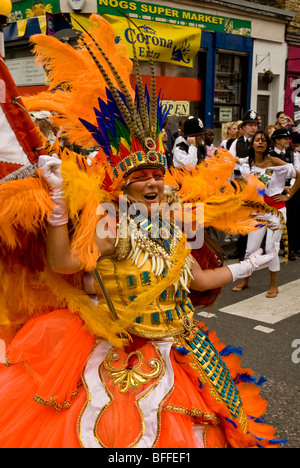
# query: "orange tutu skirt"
{"points": [[50, 397]]}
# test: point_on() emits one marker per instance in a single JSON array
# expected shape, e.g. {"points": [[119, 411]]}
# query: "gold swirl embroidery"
{"points": [[193, 413], [53, 403], [130, 375]]}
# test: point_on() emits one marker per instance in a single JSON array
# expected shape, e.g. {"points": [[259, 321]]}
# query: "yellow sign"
{"points": [[81, 23], [163, 42], [43, 24], [140, 10], [22, 25]]}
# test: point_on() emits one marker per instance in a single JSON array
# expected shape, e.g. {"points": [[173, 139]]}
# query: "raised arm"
{"points": [[59, 255]]}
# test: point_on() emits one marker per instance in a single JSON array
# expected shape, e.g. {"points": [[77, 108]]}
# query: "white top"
{"points": [[210, 149], [274, 178], [178, 140], [296, 164], [182, 158], [297, 160]]}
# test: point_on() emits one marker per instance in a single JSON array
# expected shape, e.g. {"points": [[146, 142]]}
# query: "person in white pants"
{"points": [[273, 172]]}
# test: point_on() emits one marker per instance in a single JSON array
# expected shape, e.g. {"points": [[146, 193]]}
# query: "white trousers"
{"points": [[255, 239]]}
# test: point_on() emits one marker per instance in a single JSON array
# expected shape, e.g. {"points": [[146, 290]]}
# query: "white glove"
{"points": [[51, 172], [245, 268]]}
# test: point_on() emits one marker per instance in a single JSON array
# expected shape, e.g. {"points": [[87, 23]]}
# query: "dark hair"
{"points": [[279, 113], [252, 152]]}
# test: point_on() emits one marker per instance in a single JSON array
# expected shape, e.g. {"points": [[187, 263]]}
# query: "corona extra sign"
{"points": [[175, 44]]}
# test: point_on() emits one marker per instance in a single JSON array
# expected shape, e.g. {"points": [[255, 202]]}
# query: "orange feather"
{"points": [[75, 83]]}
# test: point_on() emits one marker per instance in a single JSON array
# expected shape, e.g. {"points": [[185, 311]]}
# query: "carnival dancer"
{"points": [[274, 173], [100, 329]]}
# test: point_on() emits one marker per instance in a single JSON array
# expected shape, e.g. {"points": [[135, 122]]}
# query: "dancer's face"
{"points": [[260, 143], [146, 186]]}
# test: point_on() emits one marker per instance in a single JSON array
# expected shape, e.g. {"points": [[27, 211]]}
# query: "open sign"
{"points": [[178, 108]]}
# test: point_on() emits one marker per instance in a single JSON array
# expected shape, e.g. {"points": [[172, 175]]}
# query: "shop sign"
{"points": [[225, 114], [25, 72], [177, 108], [176, 44], [176, 16], [32, 8]]}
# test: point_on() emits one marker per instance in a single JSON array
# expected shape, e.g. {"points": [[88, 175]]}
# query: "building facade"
{"points": [[209, 56], [292, 90], [291, 104]]}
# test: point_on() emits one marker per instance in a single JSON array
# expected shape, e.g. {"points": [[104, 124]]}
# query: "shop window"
{"points": [[263, 109], [16, 52], [230, 86]]}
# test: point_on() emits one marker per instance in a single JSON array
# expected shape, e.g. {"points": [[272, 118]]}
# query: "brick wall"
{"points": [[291, 5]]}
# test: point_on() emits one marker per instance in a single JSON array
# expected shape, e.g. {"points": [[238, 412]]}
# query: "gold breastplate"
{"points": [[138, 270], [168, 313]]}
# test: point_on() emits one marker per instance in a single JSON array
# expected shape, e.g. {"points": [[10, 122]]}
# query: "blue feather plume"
{"points": [[231, 350], [231, 422], [181, 350], [249, 379]]}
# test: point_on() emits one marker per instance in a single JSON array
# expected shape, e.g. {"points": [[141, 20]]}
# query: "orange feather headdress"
{"points": [[96, 75]]}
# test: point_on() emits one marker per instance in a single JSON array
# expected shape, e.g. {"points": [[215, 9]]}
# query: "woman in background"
{"points": [[229, 134], [273, 172]]}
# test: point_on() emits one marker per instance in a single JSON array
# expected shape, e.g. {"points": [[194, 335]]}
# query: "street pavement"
{"points": [[266, 329]]}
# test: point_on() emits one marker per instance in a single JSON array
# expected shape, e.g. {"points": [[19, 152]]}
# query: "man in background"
{"points": [[191, 150]]}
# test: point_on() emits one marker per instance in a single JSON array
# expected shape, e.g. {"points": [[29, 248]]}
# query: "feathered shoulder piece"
{"points": [[229, 205], [28, 286]]}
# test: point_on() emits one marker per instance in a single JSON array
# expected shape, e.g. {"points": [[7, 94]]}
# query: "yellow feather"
{"points": [[228, 206]]}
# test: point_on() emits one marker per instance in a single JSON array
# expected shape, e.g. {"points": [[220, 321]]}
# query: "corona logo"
{"points": [[147, 36]]}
